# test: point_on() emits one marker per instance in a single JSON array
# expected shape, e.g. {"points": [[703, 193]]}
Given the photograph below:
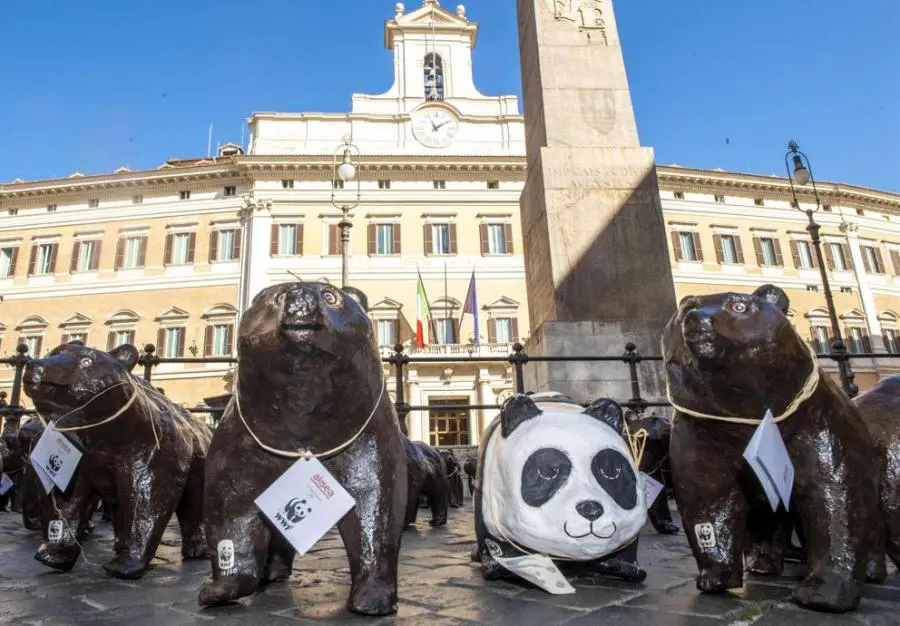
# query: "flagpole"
{"points": [[446, 296]]}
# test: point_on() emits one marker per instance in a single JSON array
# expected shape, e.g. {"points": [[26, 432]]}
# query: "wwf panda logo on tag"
{"points": [[225, 551], [54, 463], [294, 512], [55, 530], [706, 535]]}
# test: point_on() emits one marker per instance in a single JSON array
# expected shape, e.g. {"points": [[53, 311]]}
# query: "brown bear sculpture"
{"points": [[470, 467], [655, 463], [12, 463], [310, 377], [454, 478], [426, 476], [733, 356], [34, 497], [140, 451]]}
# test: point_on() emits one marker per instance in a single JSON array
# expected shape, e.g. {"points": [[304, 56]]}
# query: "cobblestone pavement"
{"points": [[438, 586]]}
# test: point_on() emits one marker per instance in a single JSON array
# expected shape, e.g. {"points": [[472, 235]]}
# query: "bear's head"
{"points": [[450, 462], [559, 479], [735, 354], [72, 374]]}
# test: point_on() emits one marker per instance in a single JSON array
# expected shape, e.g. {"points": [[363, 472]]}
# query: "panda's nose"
{"points": [[589, 509]]}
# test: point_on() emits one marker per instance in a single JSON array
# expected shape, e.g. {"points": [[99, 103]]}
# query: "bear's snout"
{"points": [[301, 305], [33, 374], [590, 510]]}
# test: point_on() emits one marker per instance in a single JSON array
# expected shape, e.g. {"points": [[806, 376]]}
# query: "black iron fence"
{"points": [[13, 410]]}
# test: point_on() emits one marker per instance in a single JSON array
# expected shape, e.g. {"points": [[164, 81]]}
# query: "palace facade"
{"points": [[172, 255]]}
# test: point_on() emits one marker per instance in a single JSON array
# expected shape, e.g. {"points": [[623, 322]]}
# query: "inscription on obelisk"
{"points": [[597, 266]]}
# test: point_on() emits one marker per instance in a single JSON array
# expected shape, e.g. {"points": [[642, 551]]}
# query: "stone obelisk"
{"points": [[596, 259]]}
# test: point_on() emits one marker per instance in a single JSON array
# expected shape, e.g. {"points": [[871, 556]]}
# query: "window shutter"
{"points": [[334, 239], [213, 245], [131, 337], [717, 243], [95, 254], [885, 338], [779, 259], [37, 347], [273, 239], [451, 228], [192, 247], [739, 249], [180, 348], [848, 259], [207, 341], [110, 340], [868, 266], [829, 262], [298, 240], [867, 343], [483, 235], [880, 259], [229, 335], [14, 258], [53, 250], [813, 256], [429, 243], [33, 259], [167, 255], [64, 339], [795, 254], [120, 253], [514, 322], [396, 325], [142, 254], [698, 249], [456, 331], [395, 233], [492, 330], [895, 261], [757, 248], [236, 246], [73, 265], [161, 343], [676, 247], [507, 236], [372, 231], [848, 337]]}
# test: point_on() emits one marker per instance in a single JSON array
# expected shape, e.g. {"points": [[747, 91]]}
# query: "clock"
{"points": [[434, 127]]}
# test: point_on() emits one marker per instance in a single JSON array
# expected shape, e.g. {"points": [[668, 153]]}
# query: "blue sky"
{"points": [[90, 86]]}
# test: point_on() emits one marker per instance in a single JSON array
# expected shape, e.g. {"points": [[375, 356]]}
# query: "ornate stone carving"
{"points": [[587, 15]]}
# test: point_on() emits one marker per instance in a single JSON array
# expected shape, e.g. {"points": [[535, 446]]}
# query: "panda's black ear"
{"points": [[775, 295], [359, 296], [516, 410], [609, 412]]}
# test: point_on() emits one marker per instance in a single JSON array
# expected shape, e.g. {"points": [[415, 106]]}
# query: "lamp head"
{"points": [[801, 173], [346, 170]]}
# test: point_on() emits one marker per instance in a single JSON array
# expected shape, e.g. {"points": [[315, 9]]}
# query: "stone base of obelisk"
{"points": [[585, 381]]}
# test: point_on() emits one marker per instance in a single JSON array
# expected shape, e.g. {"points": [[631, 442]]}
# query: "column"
{"points": [[414, 398], [260, 242], [481, 418], [866, 298]]}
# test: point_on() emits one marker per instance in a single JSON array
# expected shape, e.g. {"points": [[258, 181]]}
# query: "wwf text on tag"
{"points": [[305, 503], [706, 535], [57, 456], [6, 484], [225, 553], [539, 570], [652, 489]]}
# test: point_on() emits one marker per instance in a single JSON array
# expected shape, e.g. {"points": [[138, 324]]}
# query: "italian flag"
{"points": [[423, 312]]}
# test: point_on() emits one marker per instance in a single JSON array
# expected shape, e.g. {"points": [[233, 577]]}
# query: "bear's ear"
{"points": [[359, 296], [516, 410], [609, 412], [127, 354], [775, 295]]}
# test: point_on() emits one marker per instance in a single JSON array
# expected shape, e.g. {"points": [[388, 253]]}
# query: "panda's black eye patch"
{"points": [[545, 471], [615, 475]]}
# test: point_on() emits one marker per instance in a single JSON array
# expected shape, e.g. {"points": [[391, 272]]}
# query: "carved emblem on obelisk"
{"points": [[586, 14]]}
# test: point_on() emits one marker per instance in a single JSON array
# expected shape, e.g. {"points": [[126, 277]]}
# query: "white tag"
{"points": [[768, 456], [225, 551], [55, 530], [706, 535], [56, 456], [305, 503], [652, 488], [6, 484], [539, 570], [42, 475]]}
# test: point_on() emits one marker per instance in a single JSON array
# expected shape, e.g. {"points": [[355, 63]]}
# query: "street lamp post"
{"points": [[345, 170], [802, 175]]}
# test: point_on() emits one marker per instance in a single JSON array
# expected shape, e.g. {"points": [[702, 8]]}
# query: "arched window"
{"points": [[434, 77]]}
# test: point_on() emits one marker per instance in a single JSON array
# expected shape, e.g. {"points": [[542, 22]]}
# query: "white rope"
{"points": [[306, 453], [808, 389]]}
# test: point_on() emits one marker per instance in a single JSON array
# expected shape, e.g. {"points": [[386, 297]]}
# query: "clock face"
{"points": [[435, 128]]}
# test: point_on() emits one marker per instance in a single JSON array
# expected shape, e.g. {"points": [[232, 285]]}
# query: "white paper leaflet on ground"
{"points": [[304, 503], [42, 476], [539, 570], [56, 456], [652, 488], [768, 456], [6, 484]]}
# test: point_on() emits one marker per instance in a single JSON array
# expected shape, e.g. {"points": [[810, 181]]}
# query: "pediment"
{"points": [[173, 313], [77, 320], [220, 310], [503, 302], [854, 314], [31, 323], [386, 304], [2, 327], [431, 16], [123, 316]]}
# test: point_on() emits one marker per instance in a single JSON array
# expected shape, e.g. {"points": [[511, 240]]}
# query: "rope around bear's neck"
{"points": [[305, 453], [806, 391]]}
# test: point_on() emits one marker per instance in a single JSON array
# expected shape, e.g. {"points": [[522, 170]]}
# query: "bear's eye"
{"points": [[329, 297], [543, 474], [554, 472], [738, 307], [86, 362], [615, 475]]}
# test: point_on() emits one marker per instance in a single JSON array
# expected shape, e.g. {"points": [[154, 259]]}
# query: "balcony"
{"points": [[443, 351]]}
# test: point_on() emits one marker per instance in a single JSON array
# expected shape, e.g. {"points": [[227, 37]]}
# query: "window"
{"points": [[446, 330], [860, 212], [225, 245], [75, 335], [826, 208], [679, 195], [728, 249], [440, 184], [759, 202], [803, 256], [93, 203], [337, 184], [812, 288], [334, 239], [434, 77], [85, 256], [384, 184], [287, 184], [34, 345], [448, 427], [180, 248], [287, 240], [687, 246], [137, 199], [384, 239], [503, 330], [388, 332], [890, 341], [846, 289], [493, 184], [230, 190], [51, 208], [218, 340], [768, 252], [131, 252], [719, 199], [13, 211], [440, 238], [8, 258], [43, 259], [857, 340], [496, 239], [839, 256], [872, 260], [895, 260], [118, 338], [184, 195], [822, 339], [171, 340]]}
